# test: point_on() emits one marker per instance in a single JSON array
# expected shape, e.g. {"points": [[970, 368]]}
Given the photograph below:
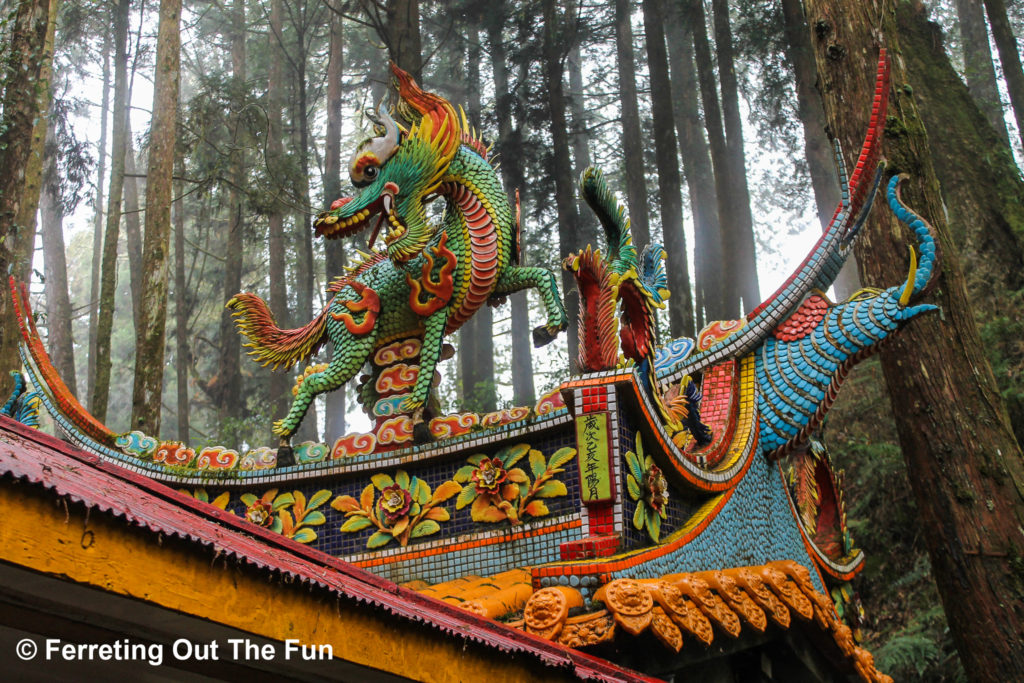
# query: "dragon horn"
{"points": [[439, 124], [383, 146], [921, 272], [908, 289], [390, 126]]}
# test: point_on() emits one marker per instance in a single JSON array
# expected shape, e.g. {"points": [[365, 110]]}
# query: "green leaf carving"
{"points": [[314, 517], [422, 492], [466, 497], [318, 499], [353, 524], [382, 481], [425, 528], [639, 517], [634, 465], [380, 538], [283, 500], [537, 463], [304, 536], [465, 474], [561, 457], [513, 454], [551, 489], [654, 527], [633, 486]]}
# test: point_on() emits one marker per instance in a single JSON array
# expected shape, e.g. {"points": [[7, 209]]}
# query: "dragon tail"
{"points": [[610, 213], [269, 343], [74, 420]]}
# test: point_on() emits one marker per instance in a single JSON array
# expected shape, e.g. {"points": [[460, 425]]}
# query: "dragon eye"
{"points": [[370, 172]]}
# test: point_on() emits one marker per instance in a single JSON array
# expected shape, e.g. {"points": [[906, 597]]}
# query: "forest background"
{"points": [[173, 154]]}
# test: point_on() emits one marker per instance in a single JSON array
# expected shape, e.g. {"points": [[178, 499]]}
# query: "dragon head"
{"points": [[399, 172]]}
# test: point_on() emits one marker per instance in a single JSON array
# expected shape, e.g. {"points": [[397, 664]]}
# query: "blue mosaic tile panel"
{"points": [[756, 526]]}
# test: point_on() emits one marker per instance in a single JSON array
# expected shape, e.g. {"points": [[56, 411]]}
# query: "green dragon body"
{"points": [[430, 279]]}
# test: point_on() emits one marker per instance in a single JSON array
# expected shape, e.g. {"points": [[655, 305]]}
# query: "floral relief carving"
{"points": [[401, 508], [288, 514], [646, 485], [496, 491]]}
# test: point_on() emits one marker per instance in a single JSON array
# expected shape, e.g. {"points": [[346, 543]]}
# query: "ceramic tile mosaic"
{"points": [[755, 526]]}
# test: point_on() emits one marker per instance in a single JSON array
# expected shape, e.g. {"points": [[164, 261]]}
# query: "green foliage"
{"points": [[915, 654], [905, 626], [1001, 337]]}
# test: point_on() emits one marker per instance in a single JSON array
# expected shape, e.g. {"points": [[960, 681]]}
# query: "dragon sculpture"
{"points": [[430, 279]]}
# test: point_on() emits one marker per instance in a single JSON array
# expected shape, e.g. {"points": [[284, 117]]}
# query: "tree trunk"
{"points": [[27, 39], [133, 228], [579, 130], [309, 428], [565, 202], [40, 131], [1009, 57], [817, 149], [741, 264], [334, 249], [404, 36], [697, 22], [58, 304], [97, 240], [700, 177], [967, 473], [150, 337], [510, 151], [108, 267], [229, 377], [182, 354], [632, 141], [666, 157], [984, 198], [279, 383], [978, 67]]}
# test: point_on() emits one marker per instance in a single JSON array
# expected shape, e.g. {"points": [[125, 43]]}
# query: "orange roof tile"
{"points": [[673, 607]]}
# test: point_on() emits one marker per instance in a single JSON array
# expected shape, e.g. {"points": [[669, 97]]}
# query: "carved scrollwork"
{"points": [[767, 600], [737, 599], [589, 629], [629, 602], [787, 591], [547, 609], [710, 604], [681, 610], [665, 630]]}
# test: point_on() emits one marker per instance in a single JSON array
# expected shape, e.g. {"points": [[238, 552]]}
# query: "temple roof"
{"points": [[71, 475]]}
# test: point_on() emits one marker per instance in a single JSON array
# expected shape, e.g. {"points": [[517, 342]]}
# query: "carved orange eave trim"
{"points": [[674, 607]]}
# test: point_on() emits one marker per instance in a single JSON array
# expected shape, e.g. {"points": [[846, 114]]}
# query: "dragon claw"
{"points": [[545, 335], [420, 429], [285, 454]]}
